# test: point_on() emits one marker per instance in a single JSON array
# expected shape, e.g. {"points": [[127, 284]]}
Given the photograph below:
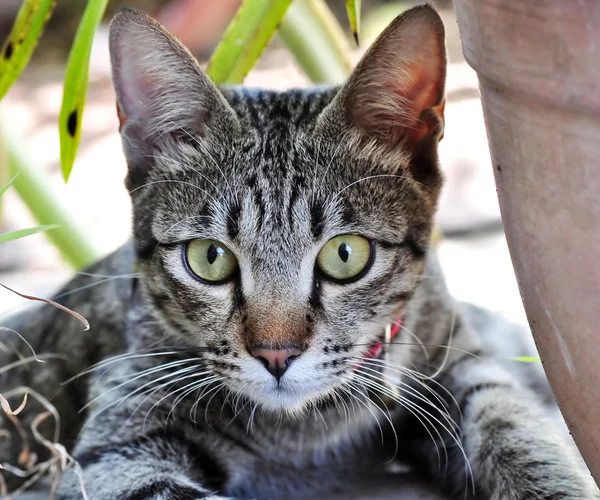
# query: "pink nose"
{"points": [[277, 361]]}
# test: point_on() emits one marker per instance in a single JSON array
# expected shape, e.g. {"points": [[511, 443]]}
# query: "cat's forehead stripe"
{"points": [[257, 107]]}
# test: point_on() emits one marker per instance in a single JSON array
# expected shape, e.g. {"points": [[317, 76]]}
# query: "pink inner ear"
{"points": [[122, 117], [136, 85], [422, 93], [404, 118], [396, 93]]}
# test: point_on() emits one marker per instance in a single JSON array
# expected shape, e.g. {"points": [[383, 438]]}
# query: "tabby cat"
{"points": [[286, 332]]}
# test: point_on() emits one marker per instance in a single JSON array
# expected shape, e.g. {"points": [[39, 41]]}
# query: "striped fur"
{"points": [[177, 408]]}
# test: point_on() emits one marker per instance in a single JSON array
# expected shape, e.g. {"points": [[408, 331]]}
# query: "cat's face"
{"points": [[281, 231]]}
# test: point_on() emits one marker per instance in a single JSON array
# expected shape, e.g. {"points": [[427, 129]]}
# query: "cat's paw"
{"points": [[545, 487]]}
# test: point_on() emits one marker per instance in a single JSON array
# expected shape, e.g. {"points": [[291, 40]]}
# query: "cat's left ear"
{"points": [[395, 96]]}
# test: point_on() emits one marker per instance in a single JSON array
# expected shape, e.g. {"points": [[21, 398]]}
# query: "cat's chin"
{"points": [[292, 400]]}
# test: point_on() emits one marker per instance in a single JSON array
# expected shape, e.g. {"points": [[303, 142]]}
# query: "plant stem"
{"points": [[4, 178], [312, 33], [247, 36], [36, 192]]}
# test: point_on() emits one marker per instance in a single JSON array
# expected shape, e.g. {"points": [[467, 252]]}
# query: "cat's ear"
{"points": [[161, 89], [395, 96]]}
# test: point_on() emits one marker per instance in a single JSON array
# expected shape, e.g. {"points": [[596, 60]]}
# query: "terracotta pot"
{"points": [[539, 69]]}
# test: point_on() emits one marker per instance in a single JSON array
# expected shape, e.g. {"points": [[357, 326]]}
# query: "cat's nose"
{"points": [[277, 361]]}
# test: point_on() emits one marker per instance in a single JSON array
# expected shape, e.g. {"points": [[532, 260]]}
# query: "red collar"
{"points": [[376, 349]]}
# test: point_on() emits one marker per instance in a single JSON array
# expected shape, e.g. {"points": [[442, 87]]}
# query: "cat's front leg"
{"points": [[152, 466], [514, 450]]}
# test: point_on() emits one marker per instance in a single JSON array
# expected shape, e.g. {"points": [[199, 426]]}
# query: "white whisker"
{"points": [[206, 152], [447, 353]]}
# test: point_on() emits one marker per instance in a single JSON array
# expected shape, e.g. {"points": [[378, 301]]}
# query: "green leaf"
{"points": [[253, 26], [353, 10], [527, 359], [33, 186], [22, 40], [314, 36], [21, 233], [76, 83], [8, 184]]}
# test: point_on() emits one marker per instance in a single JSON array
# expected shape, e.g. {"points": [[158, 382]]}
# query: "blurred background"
{"points": [[473, 250]]}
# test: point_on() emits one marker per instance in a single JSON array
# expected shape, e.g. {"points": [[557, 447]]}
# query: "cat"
{"points": [[281, 328]]}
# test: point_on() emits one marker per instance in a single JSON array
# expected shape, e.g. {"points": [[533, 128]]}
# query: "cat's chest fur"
{"points": [[266, 456]]}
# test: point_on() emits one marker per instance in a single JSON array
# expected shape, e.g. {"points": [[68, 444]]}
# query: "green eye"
{"points": [[210, 260], [345, 257]]}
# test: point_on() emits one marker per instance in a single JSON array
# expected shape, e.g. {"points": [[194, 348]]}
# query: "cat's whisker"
{"points": [[334, 155], [148, 387], [151, 370], [320, 414], [236, 400], [224, 403], [250, 424], [340, 403], [132, 379], [374, 383], [407, 372], [440, 346], [418, 378], [387, 416], [366, 405], [351, 400], [215, 391], [100, 275], [170, 160], [176, 181], [315, 170], [197, 386], [446, 417], [135, 355], [414, 336], [452, 433], [332, 199], [206, 152], [150, 391], [380, 176], [426, 423], [180, 374], [376, 375], [97, 283], [450, 338], [415, 409], [109, 363], [169, 394]]}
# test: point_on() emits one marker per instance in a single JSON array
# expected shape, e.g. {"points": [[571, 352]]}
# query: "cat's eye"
{"points": [[345, 258], [210, 260]]}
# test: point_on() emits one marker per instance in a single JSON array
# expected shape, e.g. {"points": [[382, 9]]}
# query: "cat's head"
{"points": [[282, 231]]}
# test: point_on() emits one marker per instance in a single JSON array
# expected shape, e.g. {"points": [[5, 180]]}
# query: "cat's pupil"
{"points": [[344, 252], [212, 253]]}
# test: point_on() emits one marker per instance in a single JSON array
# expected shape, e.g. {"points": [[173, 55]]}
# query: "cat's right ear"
{"points": [[161, 90], [394, 99]]}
